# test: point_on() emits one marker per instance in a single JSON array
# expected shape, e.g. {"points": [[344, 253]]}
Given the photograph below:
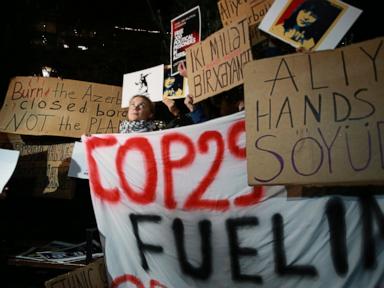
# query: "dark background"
{"points": [[34, 34]]}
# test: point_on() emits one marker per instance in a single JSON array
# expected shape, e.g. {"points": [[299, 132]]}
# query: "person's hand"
{"points": [[240, 105], [302, 50], [171, 104], [188, 101], [182, 69]]}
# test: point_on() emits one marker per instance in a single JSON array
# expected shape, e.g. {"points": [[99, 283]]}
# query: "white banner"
{"points": [[175, 210], [8, 161], [78, 167]]}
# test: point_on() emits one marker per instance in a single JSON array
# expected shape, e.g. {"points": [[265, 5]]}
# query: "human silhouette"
{"points": [[143, 84]]}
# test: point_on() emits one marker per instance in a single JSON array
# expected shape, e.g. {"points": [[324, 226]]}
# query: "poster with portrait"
{"points": [[175, 86], [148, 82], [309, 24], [185, 31]]}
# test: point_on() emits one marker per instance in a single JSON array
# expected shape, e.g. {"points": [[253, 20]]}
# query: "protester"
{"points": [[194, 116], [140, 116]]}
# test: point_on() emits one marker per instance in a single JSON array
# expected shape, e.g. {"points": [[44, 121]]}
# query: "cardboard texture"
{"points": [[233, 10], [316, 118], [253, 10], [51, 106], [92, 275], [216, 64]]}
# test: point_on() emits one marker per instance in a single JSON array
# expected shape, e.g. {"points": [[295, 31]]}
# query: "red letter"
{"points": [[252, 198], [195, 201], [233, 136], [257, 192], [149, 192], [154, 283], [169, 164], [127, 278], [111, 195]]}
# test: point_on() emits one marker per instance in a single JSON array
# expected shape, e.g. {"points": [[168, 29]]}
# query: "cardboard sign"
{"points": [[317, 117], [93, 275], [185, 32], [176, 211], [253, 10], [311, 24], [216, 64], [51, 106]]}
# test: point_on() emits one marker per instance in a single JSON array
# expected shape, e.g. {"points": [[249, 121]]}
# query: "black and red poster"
{"points": [[185, 31]]}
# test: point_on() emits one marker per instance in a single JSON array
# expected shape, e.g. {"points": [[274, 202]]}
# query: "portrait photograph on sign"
{"points": [[309, 24]]}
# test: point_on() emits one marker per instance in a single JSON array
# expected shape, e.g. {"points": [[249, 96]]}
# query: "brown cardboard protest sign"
{"points": [[92, 275], [52, 106], [216, 64], [317, 117], [253, 10]]}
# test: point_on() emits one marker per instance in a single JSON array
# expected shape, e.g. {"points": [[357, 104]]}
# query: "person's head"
{"points": [[140, 108], [313, 16], [304, 15], [305, 18]]}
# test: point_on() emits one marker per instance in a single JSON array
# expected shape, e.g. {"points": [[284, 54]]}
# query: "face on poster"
{"points": [[311, 24], [185, 31]]}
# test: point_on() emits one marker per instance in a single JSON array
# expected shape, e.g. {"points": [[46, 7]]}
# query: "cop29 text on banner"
{"points": [[175, 210], [52, 106], [317, 117]]}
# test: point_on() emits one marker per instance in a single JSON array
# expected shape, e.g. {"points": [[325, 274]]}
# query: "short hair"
{"points": [[147, 99], [322, 9]]}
